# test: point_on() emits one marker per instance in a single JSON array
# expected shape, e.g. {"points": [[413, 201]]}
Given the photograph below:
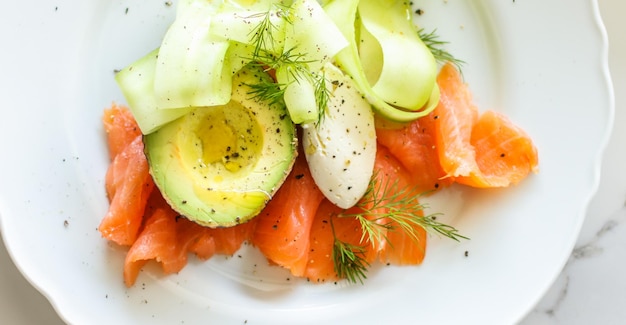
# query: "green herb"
{"points": [[295, 63], [322, 95], [384, 208], [391, 207], [267, 91], [348, 259], [435, 45], [262, 36]]}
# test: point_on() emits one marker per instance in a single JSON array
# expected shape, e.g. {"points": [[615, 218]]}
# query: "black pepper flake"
{"points": [[126, 11], [421, 12], [299, 176], [502, 155], [66, 223], [467, 252], [436, 185]]}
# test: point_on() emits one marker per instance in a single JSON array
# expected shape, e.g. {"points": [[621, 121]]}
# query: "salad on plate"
{"points": [[54, 202], [313, 131]]}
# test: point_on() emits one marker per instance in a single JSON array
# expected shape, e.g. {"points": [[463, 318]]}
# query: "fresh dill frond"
{"points": [[389, 207], [435, 45], [296, 66], [348, 259], [294, 62], [269, 56], [267, 91], [374, 231], [385, 207], [322, 96], [262, 35]]}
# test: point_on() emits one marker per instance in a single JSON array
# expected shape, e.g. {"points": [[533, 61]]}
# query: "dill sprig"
{"points": [[435, 45], [385, 207], [322, 95], [270, 91], [294, 62], [391, 207], [296, 66], [262, 35], [266, 55], [267, 91], [348, 259]]}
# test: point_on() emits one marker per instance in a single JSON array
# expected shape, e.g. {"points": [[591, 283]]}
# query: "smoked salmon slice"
{"points": [[167, 238], [392, 245], [129, 189], [229, 240], [505, 154], [399, 246], [485, 150], [120, 127], [415, 146], [157, 241], [282, 228], [454, 116], [320, 266]]}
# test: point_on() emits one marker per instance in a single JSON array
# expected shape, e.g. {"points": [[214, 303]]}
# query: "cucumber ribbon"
{"points": [[373, 41]]}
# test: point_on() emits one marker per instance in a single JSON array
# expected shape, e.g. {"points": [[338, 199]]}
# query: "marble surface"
{"points": [[590, 290]]}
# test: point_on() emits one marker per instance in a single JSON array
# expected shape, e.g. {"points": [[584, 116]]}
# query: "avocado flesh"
{"points": [[220, 165]]}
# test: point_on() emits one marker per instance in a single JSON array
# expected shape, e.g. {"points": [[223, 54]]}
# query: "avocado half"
{"points": [[220, 165]]}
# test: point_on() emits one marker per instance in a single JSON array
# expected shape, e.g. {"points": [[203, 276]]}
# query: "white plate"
{"points": [[543, 63]]}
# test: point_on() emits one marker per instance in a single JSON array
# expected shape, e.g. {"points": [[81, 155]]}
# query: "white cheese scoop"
{"points": [[341, 148]]}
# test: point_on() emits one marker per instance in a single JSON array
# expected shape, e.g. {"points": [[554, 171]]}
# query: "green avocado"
{"points": [[220, 165]]}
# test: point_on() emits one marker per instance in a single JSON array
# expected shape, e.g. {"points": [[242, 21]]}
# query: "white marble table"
{"points": [[590, 290]]}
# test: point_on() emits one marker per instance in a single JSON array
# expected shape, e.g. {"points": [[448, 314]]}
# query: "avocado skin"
{"points": [[219, 166]]}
